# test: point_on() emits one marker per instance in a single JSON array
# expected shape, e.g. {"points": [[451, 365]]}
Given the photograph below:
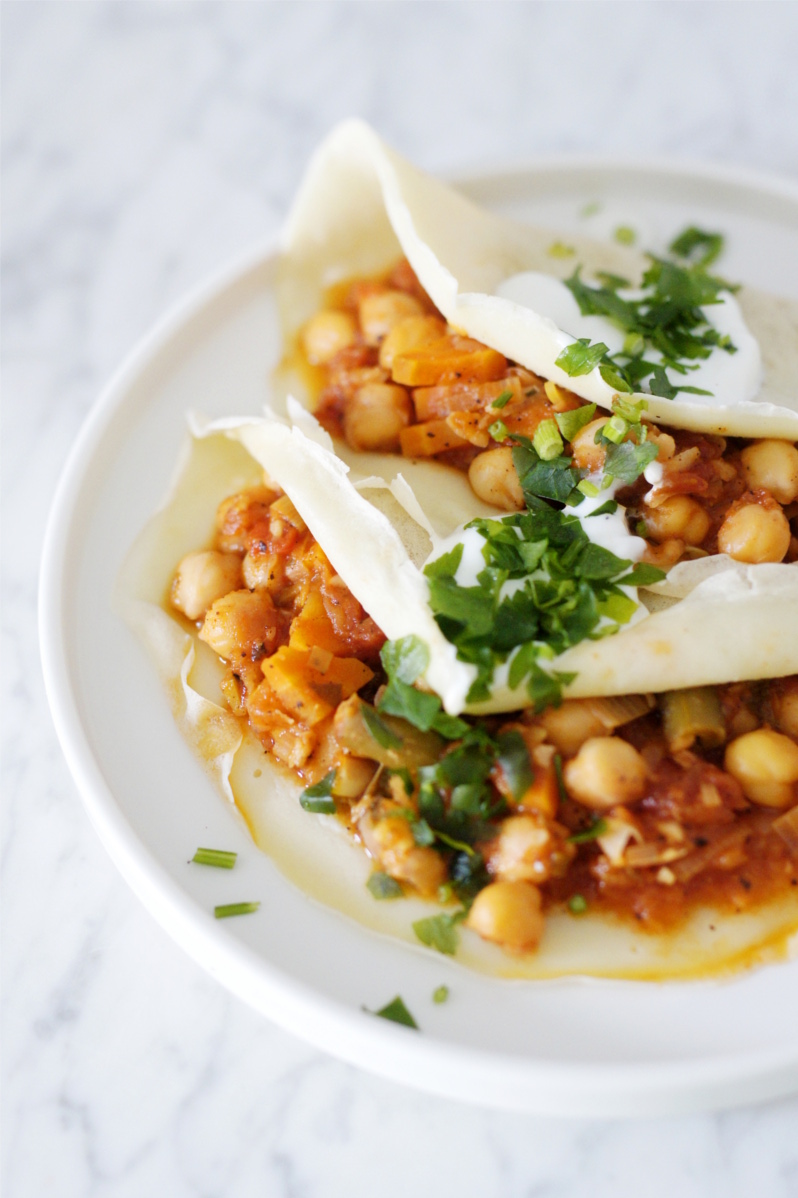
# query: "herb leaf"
{"points": [[317, 798], [397, 1012], [440, 932], [383, 886], [580, 357]]}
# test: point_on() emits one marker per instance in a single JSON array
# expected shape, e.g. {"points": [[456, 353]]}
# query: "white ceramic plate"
{"points": [[570, 1047]]}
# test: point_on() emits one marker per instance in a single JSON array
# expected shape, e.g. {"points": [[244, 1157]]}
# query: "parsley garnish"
{"points": [[440, 931], [397, 1012], [667, 318], [697, 246], [383, 886], [568, 584], [317, 798]]}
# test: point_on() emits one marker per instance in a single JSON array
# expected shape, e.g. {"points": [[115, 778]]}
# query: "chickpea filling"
{"points": [[645, 806]]}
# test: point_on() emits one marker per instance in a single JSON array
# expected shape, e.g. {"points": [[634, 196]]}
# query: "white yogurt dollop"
{"points": [[732, 378]]}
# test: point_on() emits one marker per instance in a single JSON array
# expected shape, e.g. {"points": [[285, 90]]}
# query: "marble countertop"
{"points": [[143, 146]]}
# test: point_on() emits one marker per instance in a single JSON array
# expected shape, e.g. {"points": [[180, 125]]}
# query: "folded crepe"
{"points": [[712, 621]]}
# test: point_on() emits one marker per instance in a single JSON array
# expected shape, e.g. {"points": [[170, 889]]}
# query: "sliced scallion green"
{"points": [[547, 442], [217, 857], [228, 909]]}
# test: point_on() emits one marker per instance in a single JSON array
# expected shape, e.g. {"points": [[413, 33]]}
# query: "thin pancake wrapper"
{"points": [[314, 851], [362, 206]]}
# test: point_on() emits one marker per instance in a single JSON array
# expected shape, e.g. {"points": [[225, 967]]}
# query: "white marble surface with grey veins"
{"points": [[144, 144]]}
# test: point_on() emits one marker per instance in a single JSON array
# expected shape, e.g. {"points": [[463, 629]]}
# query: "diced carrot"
{"points": [[349, 673], [313, 627], [286, 672], [524, 418], [432, 402], [425, 440], [468, 425], [452, 359], [307, 693]]}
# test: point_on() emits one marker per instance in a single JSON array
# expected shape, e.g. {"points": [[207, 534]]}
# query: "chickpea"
{"points": [[571, 724], [391, 841], [755, 533], [784, 703], [665, 555], [664, 442], [326, 334], [202, 578], [588, 455], [494, 479], [380, 313], [678, 517], [263, 571], [375, 416], [523, 850], [772, 465], [410, 333], [508, 913], [242, 624], [765, 763], [605, 772]]}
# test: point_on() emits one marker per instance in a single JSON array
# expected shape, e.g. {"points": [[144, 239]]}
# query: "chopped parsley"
{"points": [[440, 932], [568, 590], [397, 1012], [383, 886], [318, 798], [666, 317], [697, 246]]}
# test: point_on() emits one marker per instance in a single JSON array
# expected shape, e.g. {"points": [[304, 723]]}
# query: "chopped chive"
{"points": [[218, 857], [501, 400], [577, 904], [228, 909], [547, 441], [440, 994], [396, 1012], [587, 488]]}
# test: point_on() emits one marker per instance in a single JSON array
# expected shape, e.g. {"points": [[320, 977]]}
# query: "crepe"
{"points": [[711, 621], [361, 206]]}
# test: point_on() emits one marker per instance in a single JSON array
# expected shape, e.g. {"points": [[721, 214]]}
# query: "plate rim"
{"points": [[532, 1085]]}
